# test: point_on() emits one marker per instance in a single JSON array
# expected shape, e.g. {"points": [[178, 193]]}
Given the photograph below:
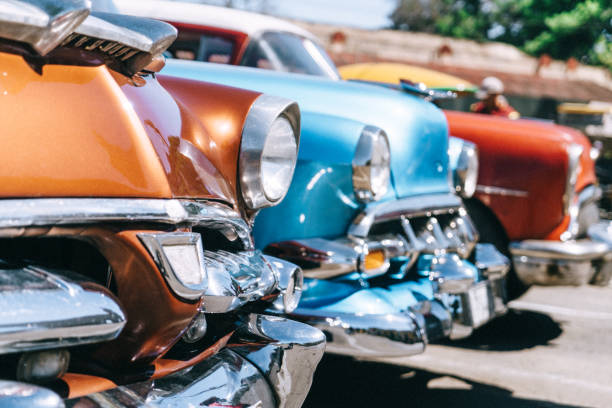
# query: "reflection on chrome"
{"points": [[368, 335], [287, 352], [41, 309]]}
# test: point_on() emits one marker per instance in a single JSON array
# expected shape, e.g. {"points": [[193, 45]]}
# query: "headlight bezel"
{"points": [[574, 154], [466, 168], [373, 141], [264, 113]]}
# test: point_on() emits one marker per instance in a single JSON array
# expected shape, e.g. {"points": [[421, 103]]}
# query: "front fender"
{"points": [[320, 202], [522, 172]]}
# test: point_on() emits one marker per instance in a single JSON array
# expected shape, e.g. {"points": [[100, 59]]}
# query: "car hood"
{"points": [[88, 132], [417, 130], [471, 126]]}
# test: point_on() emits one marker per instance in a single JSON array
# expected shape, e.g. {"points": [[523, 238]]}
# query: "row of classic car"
{"points": [[181, 233]]}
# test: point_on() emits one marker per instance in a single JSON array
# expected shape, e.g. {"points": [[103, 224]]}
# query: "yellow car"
{"points": [[392, 73]]}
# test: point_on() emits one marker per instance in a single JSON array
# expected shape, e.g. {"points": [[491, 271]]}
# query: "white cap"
{"points": [[490, 86]]}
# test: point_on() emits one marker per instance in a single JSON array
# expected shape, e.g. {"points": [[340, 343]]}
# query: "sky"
{"points": [[356, 13]]}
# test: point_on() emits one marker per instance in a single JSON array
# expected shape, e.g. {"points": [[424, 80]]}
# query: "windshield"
{"points": [[289, 52]]}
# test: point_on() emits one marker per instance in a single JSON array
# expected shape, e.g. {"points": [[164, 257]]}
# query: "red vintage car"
{"points": [[536, 193]]}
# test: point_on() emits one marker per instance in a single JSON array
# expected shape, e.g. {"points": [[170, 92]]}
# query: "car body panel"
{"points": [[511, 152], [416, 130], [528, 160]]}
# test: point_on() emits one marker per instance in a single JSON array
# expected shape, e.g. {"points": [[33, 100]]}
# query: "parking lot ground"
{"points": [[553, 349]]}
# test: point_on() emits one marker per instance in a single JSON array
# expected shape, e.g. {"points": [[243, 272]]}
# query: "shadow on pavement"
{"points": [[517, 330], [344, 382]]}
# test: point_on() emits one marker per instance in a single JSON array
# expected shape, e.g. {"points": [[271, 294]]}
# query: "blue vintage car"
{"points": [[389, 254]]}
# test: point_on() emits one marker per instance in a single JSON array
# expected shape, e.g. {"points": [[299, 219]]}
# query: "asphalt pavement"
{"points": [[553, 349]]}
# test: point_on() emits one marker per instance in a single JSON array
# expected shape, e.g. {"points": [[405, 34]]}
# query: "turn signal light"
{"points": [[180, 258], [374, 260]]}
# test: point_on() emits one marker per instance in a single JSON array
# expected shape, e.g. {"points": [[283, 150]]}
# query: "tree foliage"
{"points": [[560, 28]]}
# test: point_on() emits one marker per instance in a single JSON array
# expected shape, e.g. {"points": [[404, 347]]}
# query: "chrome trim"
{"points": [[235, 279], [566, 263], [321, 258], [410, 206], [451, 273], [264, 111], [435, 318], [41, 309], [43, 24], [273, 368], [143, 34], [20, 395], [286, 352], [579, 210], [459, 235], [363, 186], [225, 379], [465, 169], [367, 335], [490, 262], [290, 284], [132, 42], [155, 244], [574, 152], [463, 308], [506, 192], [17, 214], [581, 250]]}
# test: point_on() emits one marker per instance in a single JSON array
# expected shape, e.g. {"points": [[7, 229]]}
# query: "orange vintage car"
{"points": [[127, 269], [536, 192]]}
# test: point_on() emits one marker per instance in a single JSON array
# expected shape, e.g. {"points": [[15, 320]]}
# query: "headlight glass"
{"points": [[371, 165], [278, 159], [268, 151], [574, 152], [464, 156]]}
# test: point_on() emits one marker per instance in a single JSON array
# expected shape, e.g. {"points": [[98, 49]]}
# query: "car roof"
{"points": [[246, 22]]}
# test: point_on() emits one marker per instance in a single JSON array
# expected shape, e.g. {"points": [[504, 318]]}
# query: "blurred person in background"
{"points": [[492, 101]]}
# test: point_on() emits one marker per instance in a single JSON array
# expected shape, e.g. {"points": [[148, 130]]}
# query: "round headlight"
{"points": [[268, 151], [465, 170], [278, 159], [574, 153], [371, 165]]}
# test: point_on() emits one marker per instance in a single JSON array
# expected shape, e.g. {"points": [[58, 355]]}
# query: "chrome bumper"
{"points": [[275, 369], [472, 303], [43, 309], [369, 335], [566, 263]]}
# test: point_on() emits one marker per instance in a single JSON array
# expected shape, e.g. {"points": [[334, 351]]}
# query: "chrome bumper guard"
{"points": [[275, 369], [472, 303], [566, 263], [42, 309], [355, 335]]}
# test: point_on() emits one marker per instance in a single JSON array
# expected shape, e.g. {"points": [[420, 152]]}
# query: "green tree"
{"points": [[561, 28]]}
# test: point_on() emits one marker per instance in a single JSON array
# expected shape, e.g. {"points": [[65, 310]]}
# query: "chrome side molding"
{"points": [[40, 309], [18, 214]]}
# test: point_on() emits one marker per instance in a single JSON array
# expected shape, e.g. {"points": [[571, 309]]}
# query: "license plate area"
{"points": [[478, 304]]}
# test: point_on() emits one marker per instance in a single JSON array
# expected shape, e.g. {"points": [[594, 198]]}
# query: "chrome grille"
{"points": [[448, 231]]}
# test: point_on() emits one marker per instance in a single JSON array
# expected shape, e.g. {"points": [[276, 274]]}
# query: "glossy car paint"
{"points": [[512, 153], [417, 131], [393, 73], [121, 149], [103, 137], [528, 158]]}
